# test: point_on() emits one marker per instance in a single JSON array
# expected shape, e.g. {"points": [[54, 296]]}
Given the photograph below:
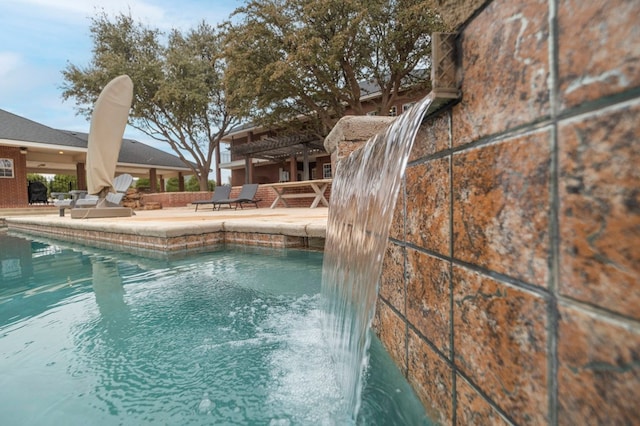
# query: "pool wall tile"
{"points": [[396, 230], [599, 214], [431, 378], [505, 69], [392, 281], [427, 217], [598, 49], [500, 340], [520, 222], [473, 409], [598, 369], [433, 137], [393, 333], [501, 206], [428, 296]]}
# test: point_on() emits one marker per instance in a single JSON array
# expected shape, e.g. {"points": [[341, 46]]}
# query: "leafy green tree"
{"points": [[63, 183], [288, 58], [179, 93], [192, 185], [172, 185], [35, 177], [145, 183]]}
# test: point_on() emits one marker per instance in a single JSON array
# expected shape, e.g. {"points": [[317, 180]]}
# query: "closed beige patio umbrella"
{"points": [[108, 122]]}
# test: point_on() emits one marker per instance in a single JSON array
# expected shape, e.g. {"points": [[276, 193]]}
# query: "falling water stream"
{"points": [[363, 199]]}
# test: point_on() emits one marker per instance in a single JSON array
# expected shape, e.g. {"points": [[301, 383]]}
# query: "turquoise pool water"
{"points": [[227, 337]]}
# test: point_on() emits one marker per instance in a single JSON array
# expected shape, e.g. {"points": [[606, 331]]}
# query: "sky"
{"points": [[39, 38]]}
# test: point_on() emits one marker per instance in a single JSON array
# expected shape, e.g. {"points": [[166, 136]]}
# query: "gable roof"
{"points": [[135, 152], [16, 128]]}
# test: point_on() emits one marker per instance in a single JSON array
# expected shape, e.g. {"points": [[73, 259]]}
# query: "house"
{"points": [[256, 154], [30, 147]]}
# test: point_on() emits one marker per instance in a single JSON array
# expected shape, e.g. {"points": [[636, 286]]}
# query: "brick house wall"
{"points": [[265, 194], [13, 191]]}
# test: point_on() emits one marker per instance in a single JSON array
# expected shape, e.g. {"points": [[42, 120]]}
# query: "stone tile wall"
{"points": [[511, 284]]}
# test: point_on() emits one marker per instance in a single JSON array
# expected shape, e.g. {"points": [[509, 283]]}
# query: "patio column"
{"points": [[293, 169], [248, 170], [305, 163], [161, 183], [153, 180], [180, 182], [81, 176]]}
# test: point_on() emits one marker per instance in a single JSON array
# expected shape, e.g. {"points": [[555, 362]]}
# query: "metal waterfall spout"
{"points": [[363, 197]]}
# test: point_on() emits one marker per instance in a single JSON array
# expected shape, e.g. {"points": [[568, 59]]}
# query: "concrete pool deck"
{"points": [[177, 229]]}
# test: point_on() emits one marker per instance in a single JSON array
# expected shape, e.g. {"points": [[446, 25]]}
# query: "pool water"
{"points": [[228, 337]]}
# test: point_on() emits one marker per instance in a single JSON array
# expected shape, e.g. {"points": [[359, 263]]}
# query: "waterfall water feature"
{"points": [[363, 198]]}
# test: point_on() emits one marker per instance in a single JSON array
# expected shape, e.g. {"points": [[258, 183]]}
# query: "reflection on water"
{"points": [[120, 339], [109, 293]]}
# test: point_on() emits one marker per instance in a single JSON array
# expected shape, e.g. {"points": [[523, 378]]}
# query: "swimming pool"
{"points": [[227, 337]]}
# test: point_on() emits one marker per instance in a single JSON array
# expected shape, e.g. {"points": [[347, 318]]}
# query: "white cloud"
{"points": [[39, 38], [9, 62], [73, 9], [157, 13]]}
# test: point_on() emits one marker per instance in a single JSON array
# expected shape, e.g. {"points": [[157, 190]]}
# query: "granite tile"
{"points": [[432, 379], [428, 206], [505, 62], [433, 137], [501, 206], [396, 230], [598, 369], [500, 343], [473, 409], [598, 49], [599, 217], [428, 298], [392, 332], [392, 283]]}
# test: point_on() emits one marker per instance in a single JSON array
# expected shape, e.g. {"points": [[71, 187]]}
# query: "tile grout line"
{"points": [[454, 390], [552, 307]]}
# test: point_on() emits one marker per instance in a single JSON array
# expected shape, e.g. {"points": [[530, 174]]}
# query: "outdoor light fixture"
{"points": [[23, 150]]}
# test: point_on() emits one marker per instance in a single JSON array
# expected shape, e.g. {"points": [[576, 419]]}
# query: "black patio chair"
{"points": [[247, 196], [221, 192]]}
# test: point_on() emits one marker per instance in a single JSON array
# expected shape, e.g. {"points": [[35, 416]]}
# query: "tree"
{"points": [[35, 177], [63, 183], [288, 58], [179, 92], [192, 185], [172, 185]]}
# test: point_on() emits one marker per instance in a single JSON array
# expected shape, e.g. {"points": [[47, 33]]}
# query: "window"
{"points": [[326, 171], [393, 111], [407, 106], [6, 168]]}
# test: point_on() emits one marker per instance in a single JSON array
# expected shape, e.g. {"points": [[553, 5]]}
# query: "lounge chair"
{"points": [[121, 184], [221, 192], [247, 196]]}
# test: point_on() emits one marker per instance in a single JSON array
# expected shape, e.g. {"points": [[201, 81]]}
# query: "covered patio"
{"points": [[29, 147], [260, 156]]}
